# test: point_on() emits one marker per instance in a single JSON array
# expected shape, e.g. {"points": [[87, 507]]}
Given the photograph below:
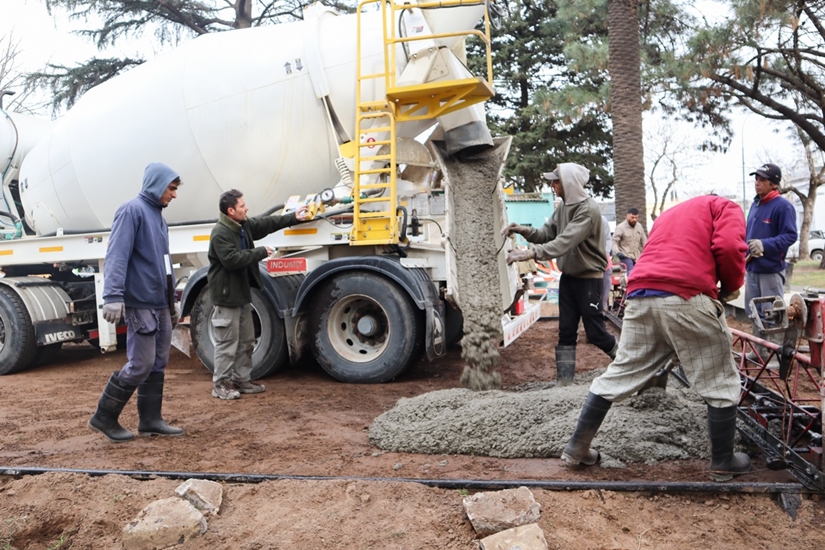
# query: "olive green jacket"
{"points": [[231, 269]]}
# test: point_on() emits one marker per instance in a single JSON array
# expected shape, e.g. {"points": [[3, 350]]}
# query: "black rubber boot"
{"points": [[114, 397], [578, 449], [565, 365], [724, 463], [149, 402]]}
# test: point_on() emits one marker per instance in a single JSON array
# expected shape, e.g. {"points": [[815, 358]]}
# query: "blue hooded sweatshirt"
{"points": [[137, 258]]}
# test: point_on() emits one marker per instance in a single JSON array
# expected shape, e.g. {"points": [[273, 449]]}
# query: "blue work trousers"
{"points": [[148, 337]]}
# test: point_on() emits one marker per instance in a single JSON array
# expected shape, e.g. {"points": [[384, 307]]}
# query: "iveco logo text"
{"points": [[59, 336]]}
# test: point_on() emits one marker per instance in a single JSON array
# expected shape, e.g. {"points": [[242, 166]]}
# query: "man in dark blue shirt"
{"points": [[771, 230]]}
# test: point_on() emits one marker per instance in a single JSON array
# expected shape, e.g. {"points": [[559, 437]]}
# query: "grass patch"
{"points": [[806, 273]]}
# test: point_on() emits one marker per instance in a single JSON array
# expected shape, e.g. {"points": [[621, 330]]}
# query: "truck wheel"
{"points": [[816, 255], [270, 351], [18, 345], [365, 328]]}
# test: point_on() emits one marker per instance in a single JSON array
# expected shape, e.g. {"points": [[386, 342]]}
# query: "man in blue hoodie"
{"points": [[771, 230], [139, 289]]}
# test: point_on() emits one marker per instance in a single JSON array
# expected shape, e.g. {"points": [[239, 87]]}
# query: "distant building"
{"points": [[530, 209]]}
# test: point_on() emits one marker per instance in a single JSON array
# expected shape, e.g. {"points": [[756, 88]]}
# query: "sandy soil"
{"points": [[306, 424]]}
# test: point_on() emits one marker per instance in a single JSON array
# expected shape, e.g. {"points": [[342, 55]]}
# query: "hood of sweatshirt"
{"points": [[156, 178], [573, 179]]}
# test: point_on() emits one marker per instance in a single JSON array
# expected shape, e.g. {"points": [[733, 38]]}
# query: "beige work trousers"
{"points": [[234, 342], [657, 328]]}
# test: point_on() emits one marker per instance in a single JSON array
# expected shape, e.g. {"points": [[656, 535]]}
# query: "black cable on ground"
{"points": [[475, 484]]}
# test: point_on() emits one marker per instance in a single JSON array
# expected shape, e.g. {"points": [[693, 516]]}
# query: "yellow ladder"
{"points": [[377, 225], [375, 201]]}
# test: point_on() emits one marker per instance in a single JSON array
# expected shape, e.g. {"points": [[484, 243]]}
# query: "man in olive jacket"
{"points": [[233, 270]]}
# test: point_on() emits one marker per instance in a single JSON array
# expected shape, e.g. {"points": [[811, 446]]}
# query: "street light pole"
{"points": [[744, 192], [744, 195]]}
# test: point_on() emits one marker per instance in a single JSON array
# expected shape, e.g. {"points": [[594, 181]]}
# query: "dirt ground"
{"points": [[306, 424]]}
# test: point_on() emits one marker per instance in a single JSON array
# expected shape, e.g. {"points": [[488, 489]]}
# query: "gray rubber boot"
{"points": [[105, 420], [565, 365], [578, 449], [724, 463], [149, 402]]}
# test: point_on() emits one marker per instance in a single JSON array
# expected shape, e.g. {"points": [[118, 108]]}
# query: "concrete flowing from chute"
{"points": [[655, 426], [476, 262]]}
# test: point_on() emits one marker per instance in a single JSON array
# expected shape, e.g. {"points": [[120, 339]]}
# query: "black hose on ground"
{"points": [[474, 484]]}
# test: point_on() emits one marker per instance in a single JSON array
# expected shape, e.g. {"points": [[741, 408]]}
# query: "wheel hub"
{"points": [[367, 325], [358, 328]]}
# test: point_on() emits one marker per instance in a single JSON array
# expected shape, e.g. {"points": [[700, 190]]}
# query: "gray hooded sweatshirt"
{"points": [[575, 233]]}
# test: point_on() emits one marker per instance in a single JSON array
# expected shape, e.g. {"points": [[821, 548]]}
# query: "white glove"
{"points": [[113, 312], [516, 228], [725, 296], [520, 255], [756, 247]]}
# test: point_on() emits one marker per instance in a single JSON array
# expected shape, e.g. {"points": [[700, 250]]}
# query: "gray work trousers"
{"points": [[234, 343], [148, 337], [758, 285]]}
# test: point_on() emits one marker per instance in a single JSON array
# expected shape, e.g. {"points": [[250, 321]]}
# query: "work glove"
{"points": [[755, 247], [725, 296], [520, 255], [175, 315], [113, 312], [516, 228]]}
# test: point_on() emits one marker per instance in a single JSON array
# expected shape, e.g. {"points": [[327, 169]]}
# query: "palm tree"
{"points": [[624, 64]]}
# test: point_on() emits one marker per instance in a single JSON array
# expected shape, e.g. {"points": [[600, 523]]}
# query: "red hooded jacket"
{"points": [[692, 246]]}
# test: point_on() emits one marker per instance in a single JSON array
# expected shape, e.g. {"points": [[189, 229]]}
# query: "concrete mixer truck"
{"points": [[329, 111]]}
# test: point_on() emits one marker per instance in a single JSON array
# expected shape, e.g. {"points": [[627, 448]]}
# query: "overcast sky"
{"points": [[42, 40]]}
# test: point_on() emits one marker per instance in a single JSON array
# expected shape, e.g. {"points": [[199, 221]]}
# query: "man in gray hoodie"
{"points": [[139, 289], [574, 236]]}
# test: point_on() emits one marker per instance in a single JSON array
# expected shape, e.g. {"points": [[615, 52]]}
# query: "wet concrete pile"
{"points": [[473, 184], [656, 426]]}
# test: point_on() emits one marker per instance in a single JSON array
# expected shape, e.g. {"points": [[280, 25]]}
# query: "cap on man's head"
{"points": [[770, 172], [634, 211], [552, 176]]}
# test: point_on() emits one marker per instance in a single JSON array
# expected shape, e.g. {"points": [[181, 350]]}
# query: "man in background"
{"points": [[771, 230], [629, 239]]}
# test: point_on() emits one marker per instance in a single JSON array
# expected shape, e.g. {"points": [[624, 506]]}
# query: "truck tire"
{"points": [[18, 344], [270, 351], [364, 328]]}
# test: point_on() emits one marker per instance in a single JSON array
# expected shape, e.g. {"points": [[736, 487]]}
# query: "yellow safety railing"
{"points": [[375, 218]]}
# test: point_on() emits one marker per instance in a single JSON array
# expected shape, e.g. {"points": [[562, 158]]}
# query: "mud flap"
{"points": [[296, 335], [182, 339], [436, 342]]}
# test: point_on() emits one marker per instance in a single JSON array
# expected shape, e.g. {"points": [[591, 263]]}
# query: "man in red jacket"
{"points": [[674, 307]]}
